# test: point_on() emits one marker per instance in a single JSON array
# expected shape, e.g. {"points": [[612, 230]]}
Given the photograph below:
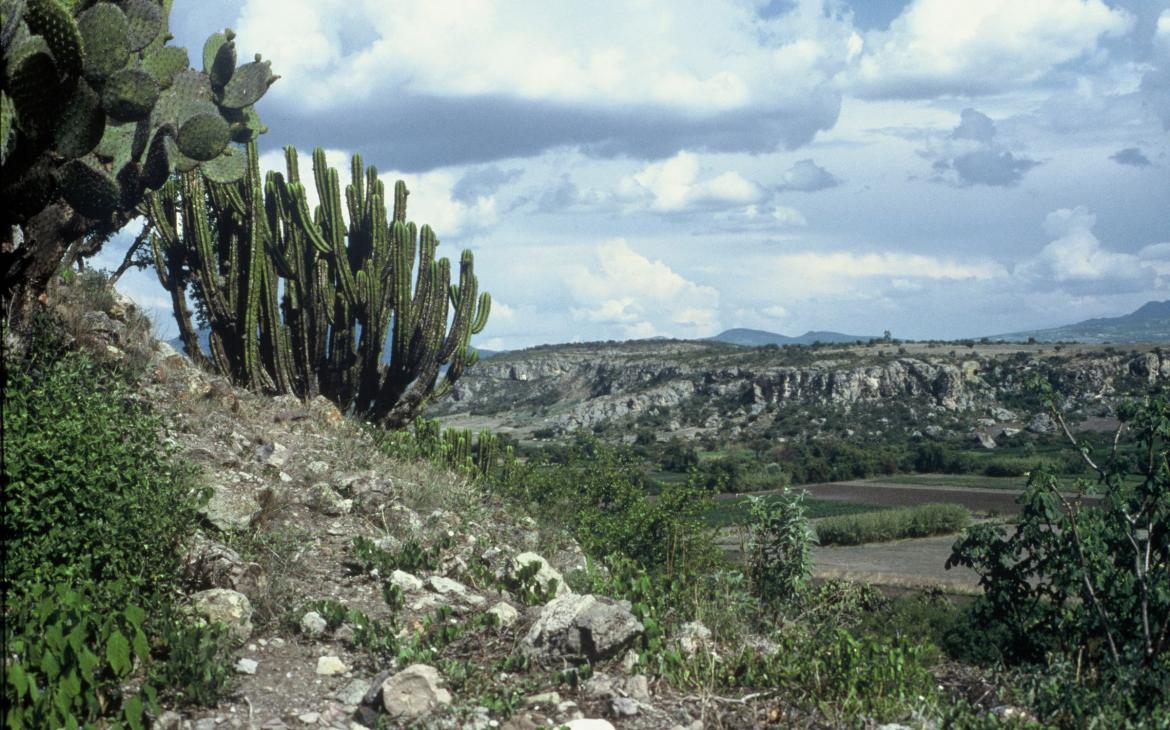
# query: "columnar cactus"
{"points": [[309, 302], [96, 110]]}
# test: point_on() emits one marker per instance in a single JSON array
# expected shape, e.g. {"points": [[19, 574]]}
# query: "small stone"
{"points": [[545, 699], [246, 666], [232, 609], [206, 723], [168, 720], [623, 707], [589, 724], [309, 718], [352, 694], [405, 581], [318, 467], [330, 665], [638, 687], [312, 624], [414, 692], [546, 576], [504, 613]]}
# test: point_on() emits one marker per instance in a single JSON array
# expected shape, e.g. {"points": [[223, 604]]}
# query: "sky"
{"points": [[936, 168]]}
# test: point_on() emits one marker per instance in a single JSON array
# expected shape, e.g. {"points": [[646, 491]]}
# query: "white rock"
{"points": [[453, 588], [230, 608], [545, 575], [246, 666], [313, 624], [504, 613], [589, 723], [309, 718], [405, 581], [330, 665], [414, 692]]}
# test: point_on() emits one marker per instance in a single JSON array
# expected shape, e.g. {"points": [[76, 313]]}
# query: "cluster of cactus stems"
{"points": [[96, 110], [302, 301], [454, 447]]}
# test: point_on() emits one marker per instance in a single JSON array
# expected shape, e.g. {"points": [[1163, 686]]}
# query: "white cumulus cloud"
{"points": [[946, 47], [674, 184], [640, 297]]}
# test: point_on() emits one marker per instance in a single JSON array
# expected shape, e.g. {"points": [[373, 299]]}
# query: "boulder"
{"points": [[227, 607], [580, 627], [414, 693], [230, 510], [210, 564], [545, 574]]}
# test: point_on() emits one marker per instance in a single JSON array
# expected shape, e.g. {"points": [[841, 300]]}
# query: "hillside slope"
{"points": [[1148, 323], [691, 389]]}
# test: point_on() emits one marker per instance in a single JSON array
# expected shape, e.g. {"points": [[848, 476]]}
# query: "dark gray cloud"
{"points": [[1130, 156], [974, 124], [991, 167], [414, 132], [970, 155], [807, 176], [482, 182]]}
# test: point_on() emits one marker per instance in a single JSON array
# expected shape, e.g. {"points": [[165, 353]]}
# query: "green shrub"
{"points": [[92, 495], [66, 663], [598, 493], [779, 537], [98, 508], [1087, 583], [921, 521]]}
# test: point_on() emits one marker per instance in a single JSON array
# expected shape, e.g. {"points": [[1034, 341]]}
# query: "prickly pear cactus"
{"points": [[96, 110]]}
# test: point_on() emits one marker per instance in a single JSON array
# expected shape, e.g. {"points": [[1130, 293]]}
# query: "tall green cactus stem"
{"points": [[309, 303], [97, 112]]}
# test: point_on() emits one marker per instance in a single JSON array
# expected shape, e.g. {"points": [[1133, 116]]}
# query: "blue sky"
{"points": [[938, 168]]}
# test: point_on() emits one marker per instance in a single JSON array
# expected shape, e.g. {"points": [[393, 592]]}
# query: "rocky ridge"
{"points": [[700, 388]]}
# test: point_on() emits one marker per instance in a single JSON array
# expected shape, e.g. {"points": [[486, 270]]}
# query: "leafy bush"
{"points": [[779, 537], [921, 521], [92, 495], [97, 508], [1088, 582], [598, 493], [67, 662]]}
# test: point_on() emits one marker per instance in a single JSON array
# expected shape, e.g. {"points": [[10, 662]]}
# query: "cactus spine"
{"points": [[303, 302]]}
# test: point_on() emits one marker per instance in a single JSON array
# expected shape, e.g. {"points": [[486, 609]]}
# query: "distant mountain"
{"points": [[1148, 323], [759, 338]]}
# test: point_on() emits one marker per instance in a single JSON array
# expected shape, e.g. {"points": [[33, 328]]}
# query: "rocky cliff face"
{"points": [[702, 386]]}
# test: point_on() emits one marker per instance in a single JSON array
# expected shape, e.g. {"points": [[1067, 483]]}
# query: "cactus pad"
{"points": [[53, 23], [89, 188], [130, 94], [163, 63], [158, 163], [7, 127], [104, 31], [247, 85], [203, 134], [32, 84], [227, 167], [146, 22], [80, 123], [115, 137], [211, 48], [223, 65]]}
